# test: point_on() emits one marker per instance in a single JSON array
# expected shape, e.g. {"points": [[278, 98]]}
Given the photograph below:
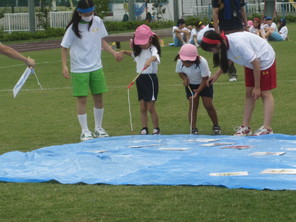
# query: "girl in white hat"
{"points": [[194, 71]]}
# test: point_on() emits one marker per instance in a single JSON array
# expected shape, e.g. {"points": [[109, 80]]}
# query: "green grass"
{"points": [[36, 119]]}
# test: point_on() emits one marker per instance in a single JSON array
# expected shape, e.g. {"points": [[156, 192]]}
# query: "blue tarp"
{"points": [[264, 162]]}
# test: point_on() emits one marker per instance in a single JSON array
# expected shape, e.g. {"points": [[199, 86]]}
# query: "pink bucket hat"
{"points": [[250, 23], [142, 35], [188, 52]]}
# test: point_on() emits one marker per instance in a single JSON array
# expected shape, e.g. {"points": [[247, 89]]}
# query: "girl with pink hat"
{"points": [[194, 71], [146, 53]]}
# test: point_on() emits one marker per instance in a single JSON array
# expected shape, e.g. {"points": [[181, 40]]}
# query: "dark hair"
{"points": [[259, 22], [76, 18], [196, 61], [283, 23], [154, 40], [180, 22], [198, 24], [218, 59]]}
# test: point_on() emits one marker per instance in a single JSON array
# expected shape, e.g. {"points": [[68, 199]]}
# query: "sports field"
{"points": [[36, 119]]}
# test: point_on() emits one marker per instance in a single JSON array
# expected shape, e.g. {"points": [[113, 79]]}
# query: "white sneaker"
{"points": [[100, 133], [242, 131], [262, 131], [86, 135], [233, 79]]}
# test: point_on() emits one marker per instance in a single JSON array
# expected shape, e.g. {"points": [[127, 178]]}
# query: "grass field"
{"points": [[36, 119]]}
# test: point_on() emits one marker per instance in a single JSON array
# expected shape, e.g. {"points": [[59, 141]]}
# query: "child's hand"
{"points": [[147, 64], [118, 56], [30, 62], [186, 82], [66, 72]]}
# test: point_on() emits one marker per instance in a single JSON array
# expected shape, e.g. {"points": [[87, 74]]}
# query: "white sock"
{"points": [[98, 113], [82, 118]]}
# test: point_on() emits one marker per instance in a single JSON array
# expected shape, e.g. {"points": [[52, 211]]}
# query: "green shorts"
{"points": [[95, 81]]}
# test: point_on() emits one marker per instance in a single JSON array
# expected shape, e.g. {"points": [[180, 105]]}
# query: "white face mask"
{"points": [[87, 18]]}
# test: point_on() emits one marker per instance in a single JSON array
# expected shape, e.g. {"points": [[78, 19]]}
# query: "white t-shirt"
{"points": [[273, 25], [284, 32], [144, 56], [245, 47], [254, 30], [192, 34], [182, 33], [194, 73], [85, 52], [201, 33]]}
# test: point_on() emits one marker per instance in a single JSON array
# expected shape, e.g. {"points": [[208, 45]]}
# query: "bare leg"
{"points": [[208, 104], [98, 101], [249, 107], [81, 105], [143, 112], [153, 113], [194, 111], [268, 106], [179, 36]]}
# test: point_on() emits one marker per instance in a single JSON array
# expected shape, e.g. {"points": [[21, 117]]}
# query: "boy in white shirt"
{"points": [[181, 34]]}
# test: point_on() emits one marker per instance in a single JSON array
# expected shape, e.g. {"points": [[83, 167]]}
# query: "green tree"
{"points": [[102, 7]]}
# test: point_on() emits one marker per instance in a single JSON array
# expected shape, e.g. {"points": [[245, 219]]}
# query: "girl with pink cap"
{"points": [[146, 53], [194, 71]]}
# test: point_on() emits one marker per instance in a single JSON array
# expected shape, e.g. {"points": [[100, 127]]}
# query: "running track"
{"points": [[53, 44]]}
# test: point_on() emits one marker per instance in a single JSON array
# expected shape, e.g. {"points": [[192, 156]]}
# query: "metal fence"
{"points": [[12, 22], [199, 8], [202, 10]]}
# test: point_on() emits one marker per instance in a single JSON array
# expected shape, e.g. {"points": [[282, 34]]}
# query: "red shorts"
{"points": [[267, 78]]}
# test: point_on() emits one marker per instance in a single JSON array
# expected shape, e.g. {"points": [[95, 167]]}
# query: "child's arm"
{"points": [[127, 52], [65, 52], [149, 61], [201, 87], [117, 55], [12, 53], [183, 76]]}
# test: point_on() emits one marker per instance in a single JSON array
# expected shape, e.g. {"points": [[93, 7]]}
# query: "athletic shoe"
{"points": [[243, 131], [144, 131], [262, 131], [233, 79], [216, 130], [100, 132], [194, 131], [156, 131], [86, 135]]}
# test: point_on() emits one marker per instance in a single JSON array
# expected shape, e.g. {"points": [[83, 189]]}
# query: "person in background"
{"points": [[257, 28], [282, 33], [229, 16], [181, 34], [194, 32], [269, 26]]}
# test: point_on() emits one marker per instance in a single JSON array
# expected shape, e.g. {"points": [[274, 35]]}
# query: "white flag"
{"points": [[21, 81]]}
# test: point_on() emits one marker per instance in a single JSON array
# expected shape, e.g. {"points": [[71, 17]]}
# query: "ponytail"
{"points": [[209, 41]]}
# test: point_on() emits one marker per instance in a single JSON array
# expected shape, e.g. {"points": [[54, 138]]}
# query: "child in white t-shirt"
{"points": [[181, 34], [194, 32], [84, 39], [258, 58], [194, 71], [146, 53], [257, 29], [281, 35]]}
